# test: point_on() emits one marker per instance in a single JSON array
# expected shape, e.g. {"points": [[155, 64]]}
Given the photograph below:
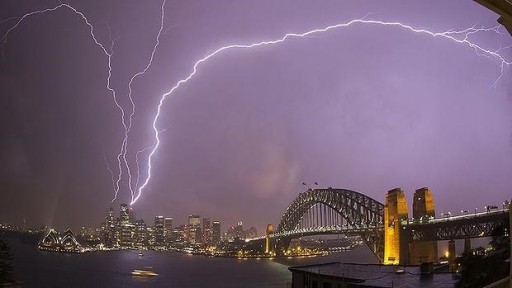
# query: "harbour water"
{"points": [[113, 269]]}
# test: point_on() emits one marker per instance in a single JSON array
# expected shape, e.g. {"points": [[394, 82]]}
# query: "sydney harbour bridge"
{"points": [[386, 228]]}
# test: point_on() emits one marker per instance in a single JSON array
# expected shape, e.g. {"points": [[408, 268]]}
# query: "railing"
{"points": [[320, 230], [454, 218]]}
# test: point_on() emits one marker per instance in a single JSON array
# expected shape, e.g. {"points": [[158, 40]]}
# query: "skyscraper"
{"points": [[127, 235], [239, 230], [159, 231], [124, 214], [126, 229], [110, 229], [207, 231], [168, 230], [194, 220], [194, 229], [141, 234], [216, 232]]}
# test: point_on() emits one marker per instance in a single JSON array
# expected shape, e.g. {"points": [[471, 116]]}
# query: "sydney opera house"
{"points": [[54, 242]]}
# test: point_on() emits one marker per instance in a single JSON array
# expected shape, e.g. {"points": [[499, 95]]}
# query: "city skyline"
{"points": [[366, 108]]}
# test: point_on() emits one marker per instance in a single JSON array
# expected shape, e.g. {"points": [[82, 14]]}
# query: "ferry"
{"points": [[144, 272]]}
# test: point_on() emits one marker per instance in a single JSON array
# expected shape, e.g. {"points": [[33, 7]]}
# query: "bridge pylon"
{"points": [[395, 211], [269, 241], [423, 210]]}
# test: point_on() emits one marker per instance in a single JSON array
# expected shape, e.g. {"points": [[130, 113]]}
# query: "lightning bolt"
{"points": [[135, 76], [127, 124], [461, 37], [109, 169], [108, 53], [448, 35], [138, 163]]}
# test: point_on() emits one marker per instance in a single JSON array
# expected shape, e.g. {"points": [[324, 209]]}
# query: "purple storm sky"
{"points": [[366, 108]]}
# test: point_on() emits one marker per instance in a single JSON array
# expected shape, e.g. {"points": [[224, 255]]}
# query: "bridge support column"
{"points": [[395, 211], [467, 244], [422, 210], [269, 245], [406, 245], [282, 245], [451, 255]]}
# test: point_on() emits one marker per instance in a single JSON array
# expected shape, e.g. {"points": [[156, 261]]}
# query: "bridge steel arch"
{"points": [[360, 211]]}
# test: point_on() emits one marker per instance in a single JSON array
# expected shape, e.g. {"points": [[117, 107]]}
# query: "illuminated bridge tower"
{"points": [[422, 210], [395, 210], [269, 247]]}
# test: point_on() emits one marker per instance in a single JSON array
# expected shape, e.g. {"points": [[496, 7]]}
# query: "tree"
{"points": [[6, 267], [481, 267]]}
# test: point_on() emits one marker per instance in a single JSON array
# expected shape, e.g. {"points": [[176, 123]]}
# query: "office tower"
{"points": [[141, 234], [110, 229], [194, 229], [168, 230], [207, 231], [124, 214], [159, 231], [216, 232]]}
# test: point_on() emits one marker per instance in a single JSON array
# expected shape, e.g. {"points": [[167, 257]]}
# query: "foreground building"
{"points": [[341, 275]]}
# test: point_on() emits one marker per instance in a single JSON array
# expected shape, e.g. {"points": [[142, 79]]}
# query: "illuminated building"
{"points": [[168, 230], [194, 229], [151, 236], [423, 210], [159, 231], [50, 240], [110, 229], [126, 228], [239, 230], [395, 211], [268, 241], [216, 232], [141, 234], [194, 220], [179, 234], [53, 242], [127, 235], [207, 231], [131, 215], [124, 214], [69, 242]]}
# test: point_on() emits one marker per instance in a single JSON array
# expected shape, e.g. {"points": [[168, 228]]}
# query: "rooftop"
{"points": [[377, 275], [503, 8]]}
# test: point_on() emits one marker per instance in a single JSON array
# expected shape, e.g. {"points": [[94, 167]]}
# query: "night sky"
{"points": [[367, 108]]}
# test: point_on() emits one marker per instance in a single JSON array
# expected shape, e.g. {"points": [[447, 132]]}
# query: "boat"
{"points": [[144, 272], [140, 254]]}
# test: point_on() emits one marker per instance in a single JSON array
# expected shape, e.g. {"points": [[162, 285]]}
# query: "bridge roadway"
{"points": [[464, 226], [471, 225], [310, 231]]}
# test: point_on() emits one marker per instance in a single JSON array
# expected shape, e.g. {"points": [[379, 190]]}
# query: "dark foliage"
{"points": [[6, 267], [479, 268]]}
